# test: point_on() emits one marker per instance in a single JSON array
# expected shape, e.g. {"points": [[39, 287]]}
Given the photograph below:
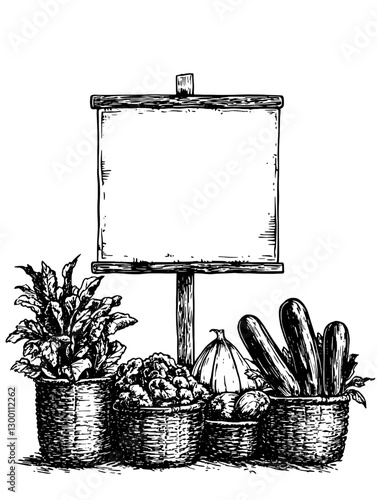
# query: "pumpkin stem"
{"points": [[220, 334]]}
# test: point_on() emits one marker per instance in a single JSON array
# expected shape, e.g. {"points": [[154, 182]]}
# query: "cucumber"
{"points": [[267, 356], [335, 355], [299, 335]]}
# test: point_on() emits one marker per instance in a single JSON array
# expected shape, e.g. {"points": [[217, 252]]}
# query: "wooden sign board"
{"points": [[188, 182]]}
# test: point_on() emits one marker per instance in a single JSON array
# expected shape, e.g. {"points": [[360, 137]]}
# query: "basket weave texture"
{"points": [[231, 440], [310, 430], [74, 421], [161, 437]]}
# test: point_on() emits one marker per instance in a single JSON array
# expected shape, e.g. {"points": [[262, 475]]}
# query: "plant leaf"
{"points": [[100, 362], [358, 381], [350, 365], [88, 288], [27, 301], [67, 371], [252, 371], [78, 367], [93, 305], [101, 347], [352, 357], [96, 328], [57, 311], [27, 329], [36, 279], [49, 351], [81, 322], [62, 339], [357, 396], [35, 328], [50, 282], [67, 275], [71, 304], [115, 352], [24, 366], [118, 321], [32, 349], [83, 351], [25, 289], [252, 374], [105, 305], [17, 335], [46, 372]]}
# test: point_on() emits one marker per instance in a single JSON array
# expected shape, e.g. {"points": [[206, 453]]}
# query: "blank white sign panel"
{"points": [[188, 185]]}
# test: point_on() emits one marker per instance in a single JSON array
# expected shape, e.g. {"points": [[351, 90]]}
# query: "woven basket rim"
{"points": [[65, 381], [233, 423], [161, 409], [310, 399]]}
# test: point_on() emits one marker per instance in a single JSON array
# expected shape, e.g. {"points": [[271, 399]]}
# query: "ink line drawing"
{"points": [[286, 406]]}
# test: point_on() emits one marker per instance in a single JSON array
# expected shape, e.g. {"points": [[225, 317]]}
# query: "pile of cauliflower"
{"points": [[156, 381]]}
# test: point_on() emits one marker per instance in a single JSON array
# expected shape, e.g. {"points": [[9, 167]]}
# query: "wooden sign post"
{"points": [[185, 317], [185, 279], [187, 184]]}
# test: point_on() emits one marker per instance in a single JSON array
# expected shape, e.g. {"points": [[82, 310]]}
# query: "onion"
{"points": [[221, 367], [251, 405]]}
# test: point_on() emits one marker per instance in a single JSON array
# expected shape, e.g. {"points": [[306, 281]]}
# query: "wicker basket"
{"points": [[161, 437], [306, 430], [231, 440], [73, 421]]}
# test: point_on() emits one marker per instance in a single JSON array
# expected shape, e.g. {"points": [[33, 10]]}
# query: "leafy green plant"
{"points": [[351, 382], [69, 337]]}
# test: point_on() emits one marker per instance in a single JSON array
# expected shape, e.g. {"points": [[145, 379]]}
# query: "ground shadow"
{"points": [[115, 465], [251, 465]]}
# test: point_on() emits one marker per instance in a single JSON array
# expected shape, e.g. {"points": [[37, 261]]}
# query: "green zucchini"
{"points": [[299, 335], [267, 356], [335, 355]]}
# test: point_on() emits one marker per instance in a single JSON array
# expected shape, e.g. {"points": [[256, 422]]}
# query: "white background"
{"points": [[322, 57]]}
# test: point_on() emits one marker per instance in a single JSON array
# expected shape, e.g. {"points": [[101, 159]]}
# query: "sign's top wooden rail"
{"points": [[185, 98], [165, 101]]}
